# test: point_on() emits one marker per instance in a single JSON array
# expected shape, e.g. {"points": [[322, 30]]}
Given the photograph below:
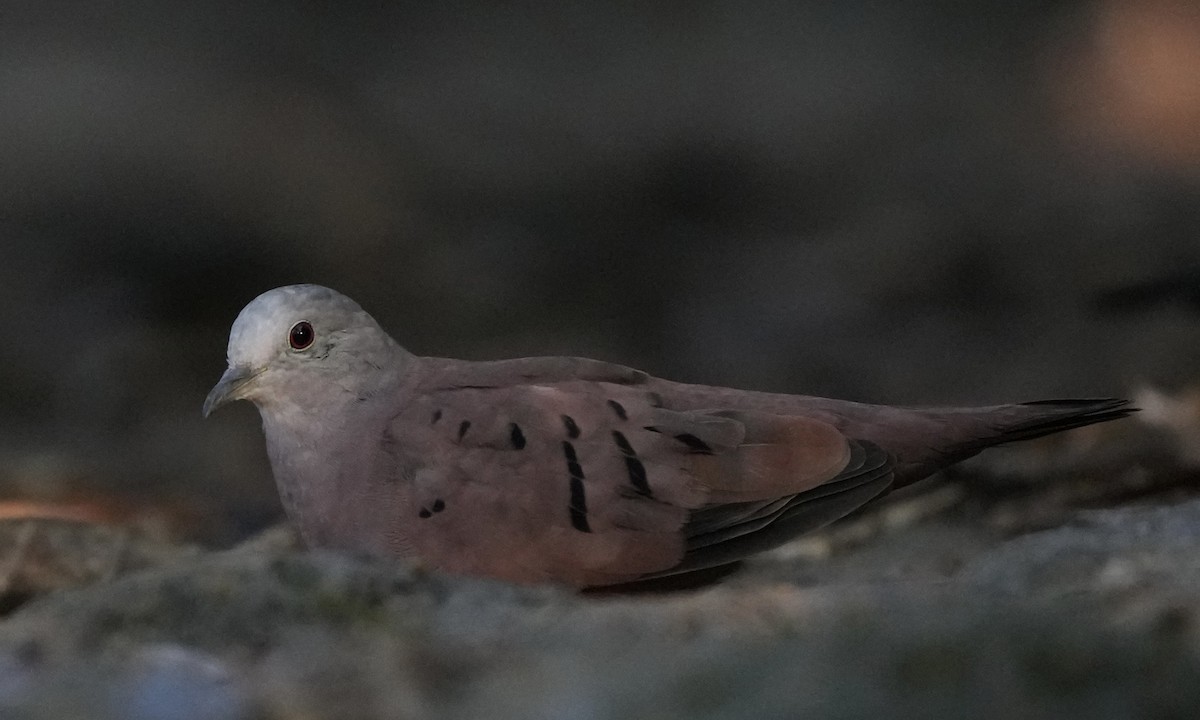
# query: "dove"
{"points": [[565, 470]]}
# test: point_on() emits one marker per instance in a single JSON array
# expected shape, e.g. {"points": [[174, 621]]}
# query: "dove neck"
{"points": [[323, 411], [322, 451]]}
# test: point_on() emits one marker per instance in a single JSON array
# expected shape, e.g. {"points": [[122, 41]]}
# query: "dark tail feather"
{"points": [[981, 428], [1044, 417]]}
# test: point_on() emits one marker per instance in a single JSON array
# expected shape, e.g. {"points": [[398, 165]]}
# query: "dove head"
{"points": [[303, 340]]}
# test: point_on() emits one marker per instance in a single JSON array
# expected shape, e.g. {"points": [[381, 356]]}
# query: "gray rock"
{"points": [[1093, 619]]}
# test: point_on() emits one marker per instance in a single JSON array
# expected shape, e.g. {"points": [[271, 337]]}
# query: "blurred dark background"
{"points": [[929, 202]]}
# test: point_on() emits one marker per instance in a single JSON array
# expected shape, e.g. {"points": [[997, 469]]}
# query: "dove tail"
{"points": [[981, 428], [1050, 416]]}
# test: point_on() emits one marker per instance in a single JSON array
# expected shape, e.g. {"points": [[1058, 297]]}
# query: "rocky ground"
{"points": [[1033, 582]]}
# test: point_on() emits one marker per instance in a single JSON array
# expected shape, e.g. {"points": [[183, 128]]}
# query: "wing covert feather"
{"points": [[590, 483]]}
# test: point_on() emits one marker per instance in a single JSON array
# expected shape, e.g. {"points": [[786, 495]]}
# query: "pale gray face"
{"points": [[297, 335]]}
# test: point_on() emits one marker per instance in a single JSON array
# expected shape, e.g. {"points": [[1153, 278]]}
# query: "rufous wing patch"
{"points": [[779, 455]]}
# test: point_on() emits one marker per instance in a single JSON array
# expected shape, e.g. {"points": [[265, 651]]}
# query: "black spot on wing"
{"points": [[516, 437], [623, 443], [577, 507], [571, 426], [633, 464], [573, 467], [695, 444], [463, 427], [438, 506], [619, 409], [437, 415]]}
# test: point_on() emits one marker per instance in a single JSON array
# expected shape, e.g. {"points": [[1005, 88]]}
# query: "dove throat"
{"points": [[322, 440]]}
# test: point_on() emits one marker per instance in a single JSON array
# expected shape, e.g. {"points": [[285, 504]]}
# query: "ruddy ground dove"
{"points": [[567, 470]]}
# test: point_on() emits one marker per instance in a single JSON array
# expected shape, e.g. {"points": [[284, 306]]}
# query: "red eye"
{"points": [[301, 335]]}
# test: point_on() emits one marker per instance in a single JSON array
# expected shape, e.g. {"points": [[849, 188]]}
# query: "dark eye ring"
{"points": [[301, 336]]}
